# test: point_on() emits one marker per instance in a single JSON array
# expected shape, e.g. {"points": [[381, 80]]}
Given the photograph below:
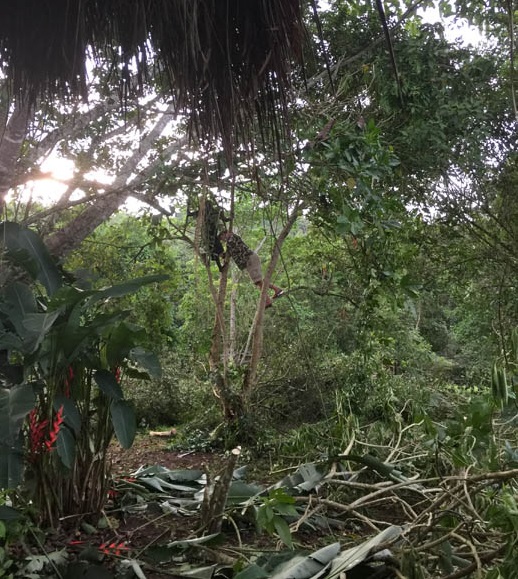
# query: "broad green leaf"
{"points": [[120, 339], [20, 298], [11, 464], [38, 327], [240, 491], [286, 509], [8, 513], [9, 341], [66, 447], [17, 302], [28, 250], [261, 518], [283, 530], [162, 486], [147, 360], [15, 404], [124, 422], [70, 412], [108, 384], [305, 478], [40, 323], [126, 288], [74, 336]]}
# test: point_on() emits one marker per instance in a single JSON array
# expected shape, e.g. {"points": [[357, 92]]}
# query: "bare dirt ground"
{"points": [[150, 450], [131, 535]]}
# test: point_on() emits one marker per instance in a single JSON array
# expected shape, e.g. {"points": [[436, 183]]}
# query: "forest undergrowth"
{"points": [[407, 497]]}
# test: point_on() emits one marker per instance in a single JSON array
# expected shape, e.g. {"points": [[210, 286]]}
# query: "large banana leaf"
{"points": [[356, 555], [108, 384], [128, 287], [306, 478], [66, 447], [15, 404], [124, 422], [168, 474], [11, 464], [308, 567], [328, 562], [20, 311], [26, 249], [16, 302], [147, 360]]}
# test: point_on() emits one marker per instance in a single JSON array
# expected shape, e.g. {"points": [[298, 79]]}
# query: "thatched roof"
{"points": [[215, 56]]}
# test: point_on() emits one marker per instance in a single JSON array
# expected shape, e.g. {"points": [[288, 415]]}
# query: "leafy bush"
{"points": [[178, 397], [62, 400]]}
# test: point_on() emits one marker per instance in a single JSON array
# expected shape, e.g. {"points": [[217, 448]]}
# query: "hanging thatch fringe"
{"points": [[218, 58]]}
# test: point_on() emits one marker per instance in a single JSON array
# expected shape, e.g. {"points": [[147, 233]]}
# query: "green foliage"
{"points": [[271, 512], [16, 528], [125, 249], [63, 343]]}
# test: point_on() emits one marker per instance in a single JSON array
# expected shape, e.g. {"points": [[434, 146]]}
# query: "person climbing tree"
{"points": [[212, 214], [247, 259]]}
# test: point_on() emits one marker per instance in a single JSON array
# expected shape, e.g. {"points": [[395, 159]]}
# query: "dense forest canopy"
{"points": [[370, 161]]}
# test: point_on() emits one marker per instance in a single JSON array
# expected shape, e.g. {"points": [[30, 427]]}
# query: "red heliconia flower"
{"points": [[56, 426], [37, 430], [118, 374]]}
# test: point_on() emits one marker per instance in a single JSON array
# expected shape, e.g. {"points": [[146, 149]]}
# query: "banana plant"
{"points": [[64, 353]]}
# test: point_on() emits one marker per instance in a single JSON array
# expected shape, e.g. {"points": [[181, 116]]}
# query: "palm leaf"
{"points": [[27, 250], [220, 60]]}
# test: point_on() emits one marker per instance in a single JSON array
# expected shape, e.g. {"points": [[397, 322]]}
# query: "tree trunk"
{"points": [[250, 378], [234, 401], [12, 136], [219, 354], [104, 206], [232, 354]]}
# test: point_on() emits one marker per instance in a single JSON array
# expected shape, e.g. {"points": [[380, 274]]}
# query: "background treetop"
{"points": [[218, 60]]}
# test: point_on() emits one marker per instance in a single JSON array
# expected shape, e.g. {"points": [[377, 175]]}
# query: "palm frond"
{"points": [[221, 60]]}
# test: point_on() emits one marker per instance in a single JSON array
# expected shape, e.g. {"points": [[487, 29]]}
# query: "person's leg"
{"points": [[268, 302], [253, 267], [278, 291]]}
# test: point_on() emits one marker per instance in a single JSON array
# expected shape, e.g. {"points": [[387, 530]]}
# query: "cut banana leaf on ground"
{"points": [[299, 567], [210, 572], [306, 478], [329, 562], [356, 555]]}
